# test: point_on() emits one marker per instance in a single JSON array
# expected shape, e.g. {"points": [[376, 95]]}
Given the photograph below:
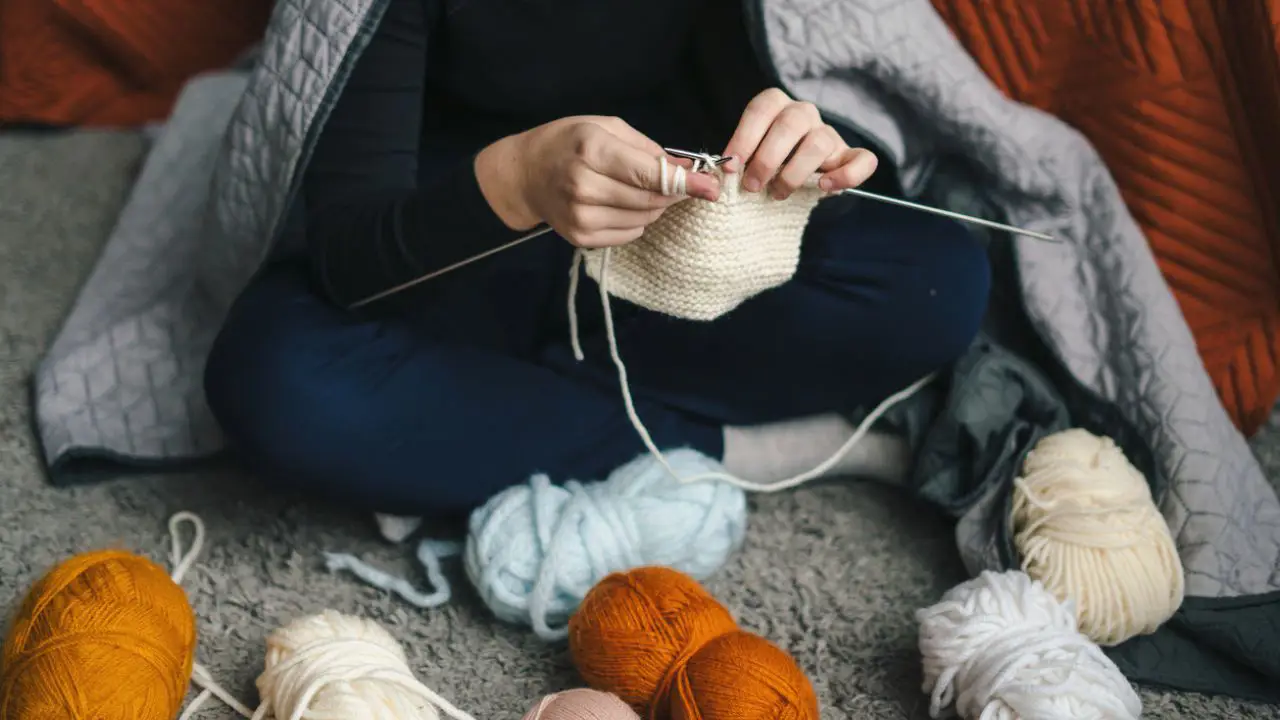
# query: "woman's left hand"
{"points": [[780, 143]]}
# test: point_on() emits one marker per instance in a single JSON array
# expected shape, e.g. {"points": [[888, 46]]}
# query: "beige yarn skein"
{"points": [[1086, 526]]}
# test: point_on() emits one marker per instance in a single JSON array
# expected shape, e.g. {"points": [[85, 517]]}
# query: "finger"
{"points": [[791, 125], [636, 168], [598, 189], [755, 122], [857, 164], [818, 145]]}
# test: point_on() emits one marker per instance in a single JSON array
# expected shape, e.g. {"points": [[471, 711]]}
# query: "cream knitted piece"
{"points": [[701, 259]]}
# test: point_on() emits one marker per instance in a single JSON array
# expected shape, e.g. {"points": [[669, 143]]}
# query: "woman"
{"points": [[464, 124]]}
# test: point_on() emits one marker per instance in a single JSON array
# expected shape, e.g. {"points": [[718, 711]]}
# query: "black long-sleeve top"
{"points": [[390, 191]]}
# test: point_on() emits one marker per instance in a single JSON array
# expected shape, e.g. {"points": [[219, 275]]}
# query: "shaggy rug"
{"points": [[862, 558]]}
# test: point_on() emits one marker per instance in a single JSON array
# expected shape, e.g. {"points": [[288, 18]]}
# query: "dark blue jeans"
{"points": [[436, 410]]}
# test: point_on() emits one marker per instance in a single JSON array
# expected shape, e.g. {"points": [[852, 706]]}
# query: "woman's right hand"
{"points": [[594, 180]]}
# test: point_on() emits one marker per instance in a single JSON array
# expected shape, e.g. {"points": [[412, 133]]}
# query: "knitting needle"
{"points": [[718, 160], [950, 214]]}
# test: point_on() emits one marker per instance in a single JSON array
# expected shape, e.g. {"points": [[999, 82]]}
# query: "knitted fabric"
{"points": [[701, 259]]}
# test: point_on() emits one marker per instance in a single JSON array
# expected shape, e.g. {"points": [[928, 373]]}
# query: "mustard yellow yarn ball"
{"points": [[104, 636]]}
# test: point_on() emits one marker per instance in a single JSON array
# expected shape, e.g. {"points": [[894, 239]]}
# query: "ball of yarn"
{"points": [[581, 704], [535, 550], [341, 666], [658, 640], [701, 259], [1001, 647], [1085, 525], [104, 635]]}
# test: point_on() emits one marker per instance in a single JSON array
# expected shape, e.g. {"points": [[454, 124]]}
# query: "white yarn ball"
{"points": [[340, 666], [1001, 647], [1086, 526]]}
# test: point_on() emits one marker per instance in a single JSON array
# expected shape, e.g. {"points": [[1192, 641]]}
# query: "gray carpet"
{"points": [[831, 572]]}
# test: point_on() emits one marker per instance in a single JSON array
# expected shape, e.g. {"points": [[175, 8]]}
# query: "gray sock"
{"points": [[776, 451]]}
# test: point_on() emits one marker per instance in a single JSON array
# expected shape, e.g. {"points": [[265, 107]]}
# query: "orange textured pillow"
{"points": [[1182, 100], [115, 62], [165, 42]]}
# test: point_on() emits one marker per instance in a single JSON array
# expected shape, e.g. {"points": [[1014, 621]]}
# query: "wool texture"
{"points": [[535, 550], [581, 704], [1084, 524], [333, 665], [701, 259], [1001, 647], [659, 641], [106, 635]]}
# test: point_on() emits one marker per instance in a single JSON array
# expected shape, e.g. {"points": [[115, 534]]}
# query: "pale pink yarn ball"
{"points": [[581, 704]]}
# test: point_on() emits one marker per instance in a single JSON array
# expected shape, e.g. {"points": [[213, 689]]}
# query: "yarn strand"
{"points": [[183, 560], [676, 185], [611, 338], [326, 650]]}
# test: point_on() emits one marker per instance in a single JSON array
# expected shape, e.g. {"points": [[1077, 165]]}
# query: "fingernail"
{"points": [[732, 165], [825, 184], [751, 184]]}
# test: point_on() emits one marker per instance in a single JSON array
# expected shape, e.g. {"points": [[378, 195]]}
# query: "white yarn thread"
{"points": [[1002, 647], [183, 561], [1085, 525], [321, 667], [604, 277], [772, 264], [429, 554]]}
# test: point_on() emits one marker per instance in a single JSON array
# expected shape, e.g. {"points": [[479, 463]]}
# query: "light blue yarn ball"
{"points": [[535, 550]]}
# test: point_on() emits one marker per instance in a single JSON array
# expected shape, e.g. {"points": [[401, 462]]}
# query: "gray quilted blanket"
{"points": [[1085, 332]]}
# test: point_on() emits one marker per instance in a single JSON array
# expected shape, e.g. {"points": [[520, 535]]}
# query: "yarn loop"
{"points": [[697, 261], [1001, 647], [659, 641], [1085, 525]]}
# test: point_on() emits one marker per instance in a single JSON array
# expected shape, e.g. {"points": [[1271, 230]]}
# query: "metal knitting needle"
{"points": [[718, 160], [947, 213]]}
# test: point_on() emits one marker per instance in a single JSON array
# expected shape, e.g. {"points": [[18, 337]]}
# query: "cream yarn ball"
{"points": [[1085, 525], [340, 666], [701, 259]]}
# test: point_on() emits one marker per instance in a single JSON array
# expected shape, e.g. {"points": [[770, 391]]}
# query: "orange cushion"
{"points": [[114, 62], [1182, 100]]}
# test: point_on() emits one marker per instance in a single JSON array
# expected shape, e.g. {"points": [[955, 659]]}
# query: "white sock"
{"points": [[776, 451], [395, 528]]}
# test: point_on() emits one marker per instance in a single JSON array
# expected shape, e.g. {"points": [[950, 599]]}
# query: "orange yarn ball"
{"points": [[104, 636], [657, 639]]}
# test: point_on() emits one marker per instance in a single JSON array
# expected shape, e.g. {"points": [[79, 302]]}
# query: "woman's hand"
{"points": [[594, 180], [781, 143]]}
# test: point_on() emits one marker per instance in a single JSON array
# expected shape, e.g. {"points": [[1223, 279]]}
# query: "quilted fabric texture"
{"points": [[106, 62], [1182, 100]]}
